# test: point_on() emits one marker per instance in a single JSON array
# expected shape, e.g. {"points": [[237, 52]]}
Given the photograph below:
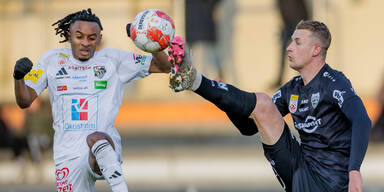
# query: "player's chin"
{"points": [[84, 57], [293, 65]]}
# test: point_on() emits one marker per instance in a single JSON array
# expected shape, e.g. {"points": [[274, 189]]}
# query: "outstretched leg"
{"points": [[104, 161], [243, 108]]}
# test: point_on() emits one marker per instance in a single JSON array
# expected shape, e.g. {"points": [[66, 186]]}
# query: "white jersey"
{"points": [[85, 96]]}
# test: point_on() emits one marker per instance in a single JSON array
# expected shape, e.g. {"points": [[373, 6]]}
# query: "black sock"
{"points": [[237, 104]]}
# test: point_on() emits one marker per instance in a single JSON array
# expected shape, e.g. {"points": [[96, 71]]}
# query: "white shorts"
{"points": [[76, 175]]}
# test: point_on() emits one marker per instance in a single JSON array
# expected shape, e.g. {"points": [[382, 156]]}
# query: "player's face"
{"points": [[84, 37], [301, 49]]}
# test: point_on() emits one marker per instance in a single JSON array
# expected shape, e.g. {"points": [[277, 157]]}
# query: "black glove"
{"points": [[128, 29], [22, 67]]}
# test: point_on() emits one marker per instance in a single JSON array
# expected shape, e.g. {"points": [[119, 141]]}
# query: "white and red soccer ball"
{"points": [[152, 30]]}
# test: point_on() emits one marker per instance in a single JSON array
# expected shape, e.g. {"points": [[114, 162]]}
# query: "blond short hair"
{"points": [[320, 31]]}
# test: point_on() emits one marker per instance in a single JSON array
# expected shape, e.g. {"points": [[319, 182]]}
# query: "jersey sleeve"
{"points": [[279, 99], [132, 66], [349, 102], [37, 77], [342, 94]]}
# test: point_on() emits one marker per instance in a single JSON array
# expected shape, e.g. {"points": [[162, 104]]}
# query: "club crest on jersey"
{"points": [[315, 98], [99, 71], [293, 103]]}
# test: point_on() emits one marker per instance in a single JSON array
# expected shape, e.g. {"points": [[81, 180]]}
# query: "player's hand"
{"points": [[22, 67], [128, 29], [355, 181]]}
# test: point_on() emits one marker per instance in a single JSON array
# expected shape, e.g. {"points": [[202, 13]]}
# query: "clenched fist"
{"points": [[22, 67]]}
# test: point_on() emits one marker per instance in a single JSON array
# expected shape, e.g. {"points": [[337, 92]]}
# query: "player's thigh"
{"points": [[283, 157], [268, 118], [75, 175], [304, 180]]}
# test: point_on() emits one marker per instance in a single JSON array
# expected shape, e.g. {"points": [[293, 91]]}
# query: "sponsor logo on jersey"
{"points": [[315, 98], [79, 109], [140, 59], [80, 87], [62, 174], [34, 75], [99, 71], [327, 75], [303, 109], [338, 95], [62, 88], [310, 125], [276, 95], [79, 113], [304, 101], [293, 103], [101, 84], [62, 184], [64, 55], [63, 58], [62, 73], [78, 68], [81, 78]]}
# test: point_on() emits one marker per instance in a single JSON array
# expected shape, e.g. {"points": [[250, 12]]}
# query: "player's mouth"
{"points": [[290, 58], [84, 52]]}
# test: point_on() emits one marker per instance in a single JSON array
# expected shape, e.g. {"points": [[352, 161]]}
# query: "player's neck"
{"points": [[310, 71]]}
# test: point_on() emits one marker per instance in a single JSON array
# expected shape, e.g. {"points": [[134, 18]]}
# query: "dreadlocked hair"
{"points": [[64, 24]]}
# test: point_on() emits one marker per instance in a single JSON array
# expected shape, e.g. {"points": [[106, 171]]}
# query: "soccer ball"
{"points": [[152, 30]]}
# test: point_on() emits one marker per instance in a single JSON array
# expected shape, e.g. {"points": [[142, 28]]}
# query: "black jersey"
{"points": [[318, 110]]}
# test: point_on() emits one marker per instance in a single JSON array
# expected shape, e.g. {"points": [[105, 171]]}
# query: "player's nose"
{"points": [[85, 43], [289, 48]]}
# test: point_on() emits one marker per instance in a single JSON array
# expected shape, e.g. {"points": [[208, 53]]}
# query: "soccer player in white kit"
{"points": [[86, 89]]}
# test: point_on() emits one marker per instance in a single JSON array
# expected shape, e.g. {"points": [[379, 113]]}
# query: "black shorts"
{"points": [[289, 165]]}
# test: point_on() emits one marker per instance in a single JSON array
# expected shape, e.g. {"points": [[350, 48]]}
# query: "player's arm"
{"points": [[361, 125], [24, 94], [351, 105], [160, 63]]}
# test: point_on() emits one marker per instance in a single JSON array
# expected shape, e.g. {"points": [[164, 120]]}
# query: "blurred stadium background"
{"points": [[179, 142]]}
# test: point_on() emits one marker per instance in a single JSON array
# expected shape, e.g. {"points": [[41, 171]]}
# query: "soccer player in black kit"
{"points": [[330, 117]]}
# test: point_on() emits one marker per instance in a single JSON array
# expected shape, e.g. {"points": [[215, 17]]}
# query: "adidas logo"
{"points": [[116, 174], [61, 72]]}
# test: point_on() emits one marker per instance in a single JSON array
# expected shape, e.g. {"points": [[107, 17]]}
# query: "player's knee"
{"points": [[264, 105], [96, 136]]}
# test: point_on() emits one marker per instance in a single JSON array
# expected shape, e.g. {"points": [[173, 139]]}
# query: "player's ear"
{"points": [[69, 35], [99, 39], [317, 50]]}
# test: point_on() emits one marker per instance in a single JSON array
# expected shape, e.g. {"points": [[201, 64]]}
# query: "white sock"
{"points": [[109, 165], [197, 82]]}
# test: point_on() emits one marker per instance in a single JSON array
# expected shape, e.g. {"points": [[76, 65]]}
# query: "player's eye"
{"points": [[92, 38]]}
